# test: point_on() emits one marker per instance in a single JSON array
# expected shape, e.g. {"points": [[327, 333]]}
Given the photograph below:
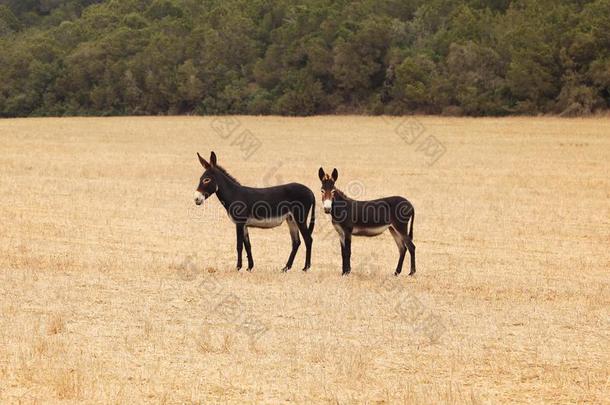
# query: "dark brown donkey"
{"points": [[368, 218], [259, 208]]}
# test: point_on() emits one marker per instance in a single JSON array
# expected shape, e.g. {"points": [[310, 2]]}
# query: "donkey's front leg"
{"points": [[347, 252], [343, 257], [248, 249], [240, 244]]}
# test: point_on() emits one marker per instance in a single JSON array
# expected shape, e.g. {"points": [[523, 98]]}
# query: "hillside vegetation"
{"points": [[458, 57]]}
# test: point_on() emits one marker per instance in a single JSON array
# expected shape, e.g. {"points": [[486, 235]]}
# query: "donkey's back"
{"points": [[286, 192]]}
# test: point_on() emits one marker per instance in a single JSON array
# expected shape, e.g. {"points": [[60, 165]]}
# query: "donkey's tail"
{"points": [[411, 226], [312, 221]]}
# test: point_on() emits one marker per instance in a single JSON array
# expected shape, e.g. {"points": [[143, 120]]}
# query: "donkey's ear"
{"points": [[205, 164], [335, 174], [321, 174], [213, 159]]}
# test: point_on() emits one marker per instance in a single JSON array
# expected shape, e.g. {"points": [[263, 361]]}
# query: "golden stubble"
{"points": [[115, 287]]}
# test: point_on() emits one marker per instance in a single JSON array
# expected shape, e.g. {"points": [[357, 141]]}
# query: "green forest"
{"points": [[296, 57]]}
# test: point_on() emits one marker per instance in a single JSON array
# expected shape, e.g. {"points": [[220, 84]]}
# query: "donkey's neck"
{"points": [[341, 196], [228, 189]]}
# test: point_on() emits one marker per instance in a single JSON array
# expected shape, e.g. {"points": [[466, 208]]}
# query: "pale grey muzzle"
{"points": [[199, 198], [327, 205]]}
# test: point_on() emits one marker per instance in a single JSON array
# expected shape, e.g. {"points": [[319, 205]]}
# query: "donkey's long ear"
{"points": [[321, 174], [205, 164], [335, 174], [213, 159]]}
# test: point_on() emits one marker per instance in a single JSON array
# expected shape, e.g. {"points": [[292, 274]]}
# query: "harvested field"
{"points": [[115, 287]]}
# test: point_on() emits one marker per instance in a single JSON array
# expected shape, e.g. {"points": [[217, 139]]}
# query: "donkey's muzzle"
{"points": [[199, 198], [328, 204]]}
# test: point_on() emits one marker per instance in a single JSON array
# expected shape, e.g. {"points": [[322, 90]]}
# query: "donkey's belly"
{"points": [[369, 230], [265, 222]]}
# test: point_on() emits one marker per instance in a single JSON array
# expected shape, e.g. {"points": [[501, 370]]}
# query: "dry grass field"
{"points": [[116, 288]]}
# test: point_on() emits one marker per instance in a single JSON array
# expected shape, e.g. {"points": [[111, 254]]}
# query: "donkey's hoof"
{"points": [[250, 269], [346, 273], [412, 273], [285, 269], [306, 268], [396, 274], [238, 268]]}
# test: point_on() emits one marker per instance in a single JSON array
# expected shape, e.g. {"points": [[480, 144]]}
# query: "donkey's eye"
{"points": [[206, 181], [322, 190]]}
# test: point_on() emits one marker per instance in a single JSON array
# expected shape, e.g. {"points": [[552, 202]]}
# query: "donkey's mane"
{"points": [[224, 171]]}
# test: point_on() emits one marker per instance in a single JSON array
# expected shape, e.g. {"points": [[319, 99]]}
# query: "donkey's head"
{"points": [[207, 183], [328, 188]]}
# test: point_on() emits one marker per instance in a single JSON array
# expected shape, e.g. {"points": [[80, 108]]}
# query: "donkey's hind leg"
{"points": [[411, 247], [296, 241], [402, 248], [308, 242]]}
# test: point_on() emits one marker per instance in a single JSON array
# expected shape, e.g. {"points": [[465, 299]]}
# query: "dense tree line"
{"points": [[301, 57]]}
